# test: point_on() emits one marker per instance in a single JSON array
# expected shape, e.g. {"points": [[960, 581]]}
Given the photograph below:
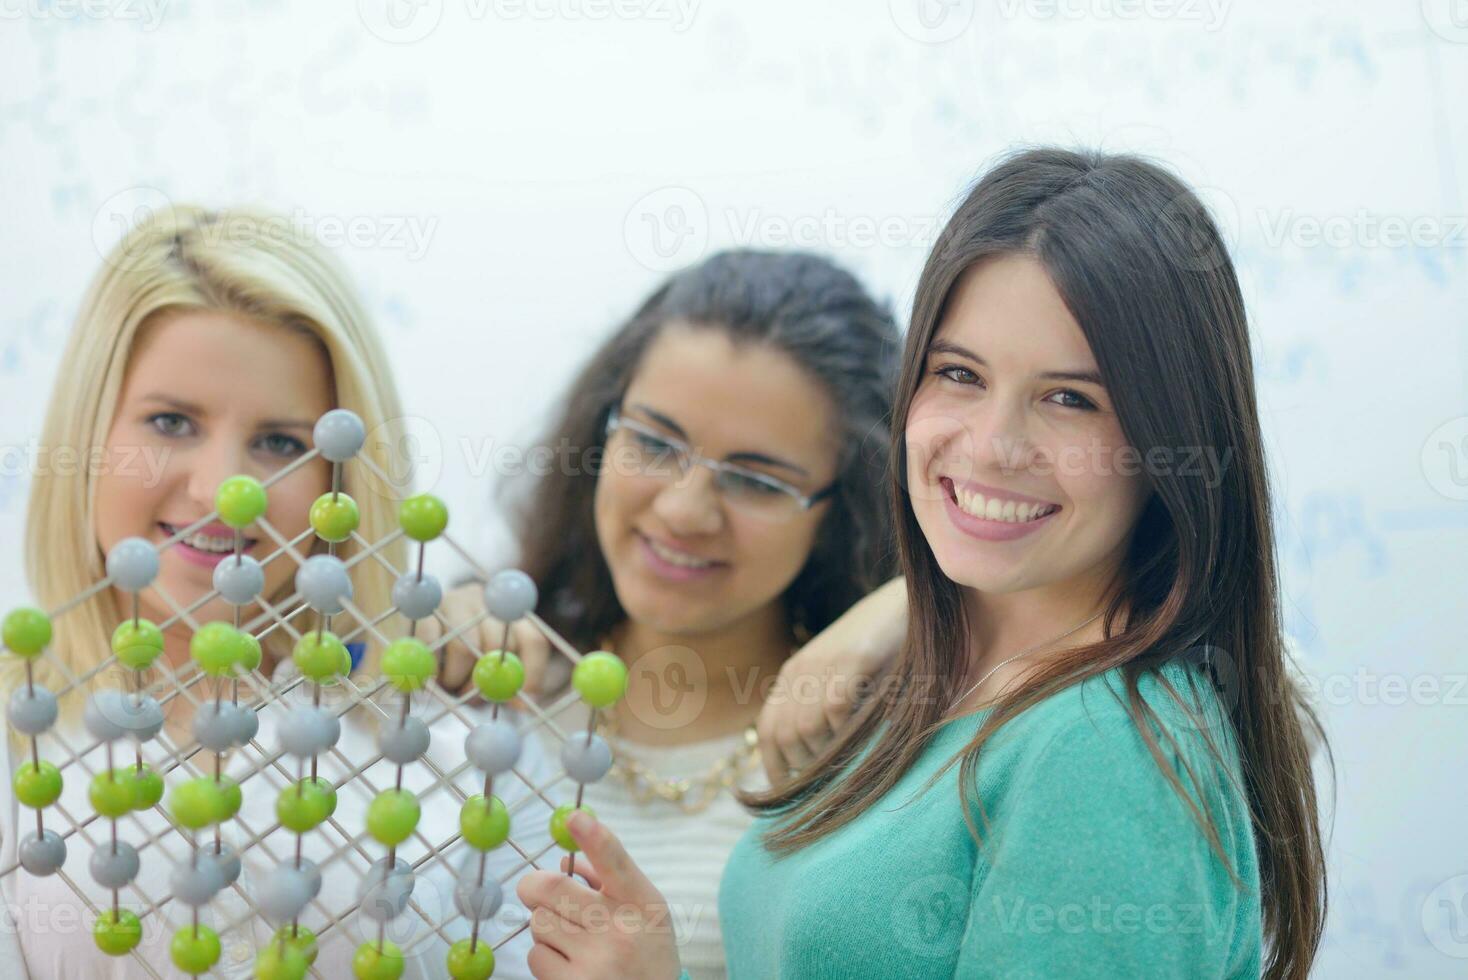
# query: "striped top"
{"points": [[682, 854]]}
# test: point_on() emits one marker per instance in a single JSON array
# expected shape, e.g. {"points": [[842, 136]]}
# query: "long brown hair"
{"points": [[797, 303], [1143, 270]]}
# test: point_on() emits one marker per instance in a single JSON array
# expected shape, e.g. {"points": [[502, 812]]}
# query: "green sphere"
{"points": [[197, 803], [117, 935], [137, 643], [249, 657], [241, 501], [371, 963], [37, 786], [304, 940], [484, 824], [600, 678], [149, 787], [470, 964], [216, 648], [407, 664], [558, 824], [334, 519], [194, 949], [231, 795], [319, 655], [499, 675], [275, 963], [323, 784], [392, 816], [423, 517], [113, 793], [26, 631], [302, 806]]}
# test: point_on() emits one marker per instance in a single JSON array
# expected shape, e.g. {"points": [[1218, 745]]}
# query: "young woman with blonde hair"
{"points": [[207, 346]]}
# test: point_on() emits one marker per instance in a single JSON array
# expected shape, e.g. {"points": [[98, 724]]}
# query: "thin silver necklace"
{"points": [[990, 672]]}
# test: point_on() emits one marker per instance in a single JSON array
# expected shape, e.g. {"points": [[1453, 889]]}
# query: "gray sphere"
{"points": [[283, 892], [215, 726], [405, 743], [143, 717], [384, 893], [307, 730], [308, 868], [493, 747], [32, 710], [339, 434], [415, 598], [246, 724], [114, 869], [196, 885], [323, 582], [227, 860], [400, 866], [239, 579], [132, 564], [510, 594], [476, 900], [105, 714], [42, 855], [586, 761]]}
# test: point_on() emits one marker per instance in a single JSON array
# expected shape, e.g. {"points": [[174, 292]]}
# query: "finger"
{"points": [[546, 962], [455, 670], [491, 635], [836, 706], [584, 869], [620, 875], [772, 755], [534, 654], [550, 897], [813, 731], [797, 756]]}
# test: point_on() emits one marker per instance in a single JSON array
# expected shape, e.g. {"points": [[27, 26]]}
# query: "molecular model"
{"points": [[152, 826]]}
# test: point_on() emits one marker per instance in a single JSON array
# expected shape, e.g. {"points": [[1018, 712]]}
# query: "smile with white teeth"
{"points": [[996, 509], [200, 541], [676, 557]]}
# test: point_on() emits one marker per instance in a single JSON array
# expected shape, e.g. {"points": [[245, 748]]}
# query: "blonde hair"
{"points": [[243, 261]]}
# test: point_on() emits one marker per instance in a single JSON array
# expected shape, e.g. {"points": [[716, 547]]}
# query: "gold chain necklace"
{"points": [[691, 794]]}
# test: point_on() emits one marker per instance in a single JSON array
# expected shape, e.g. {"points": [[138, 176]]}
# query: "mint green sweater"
{"points": [[1093, 866]]}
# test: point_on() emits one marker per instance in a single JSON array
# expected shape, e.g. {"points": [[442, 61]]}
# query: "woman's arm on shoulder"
{"points": [[818, 687]]}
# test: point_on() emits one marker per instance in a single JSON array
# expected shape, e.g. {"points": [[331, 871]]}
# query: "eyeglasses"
{"points": [[747, 490]]}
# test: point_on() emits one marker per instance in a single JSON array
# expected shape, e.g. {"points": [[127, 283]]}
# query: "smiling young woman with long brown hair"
{"points": [[1092, 760]]}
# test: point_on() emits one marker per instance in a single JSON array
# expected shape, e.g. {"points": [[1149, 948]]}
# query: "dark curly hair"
{"points": [[797, 303]]}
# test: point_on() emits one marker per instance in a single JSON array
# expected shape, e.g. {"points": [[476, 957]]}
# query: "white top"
{"points": [[682, 854], [51, 932]]}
